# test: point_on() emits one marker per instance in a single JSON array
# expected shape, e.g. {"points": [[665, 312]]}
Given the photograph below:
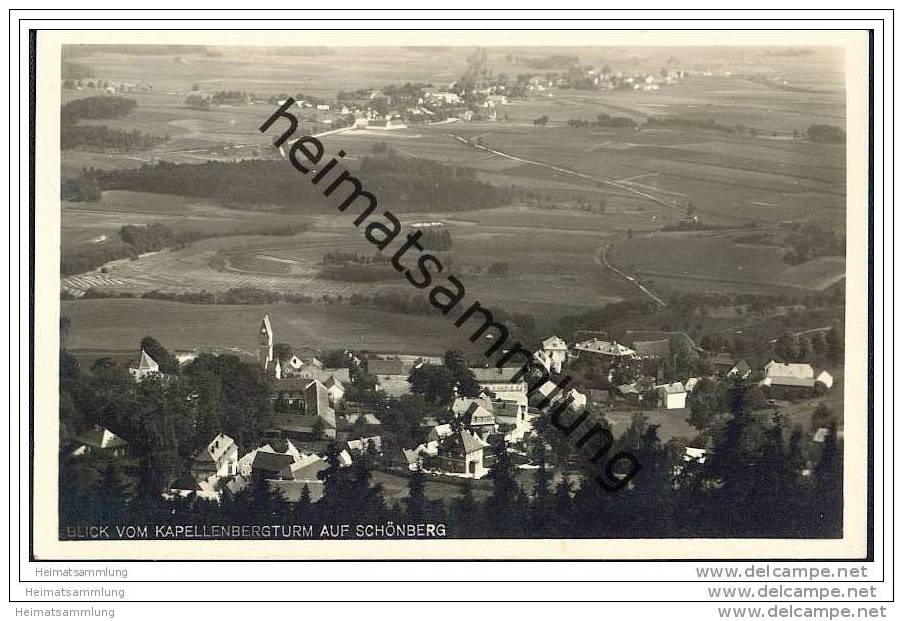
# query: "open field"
{"points": [[119, 325], [647, 178], [85, 223], [712, 259], [544, 254]]}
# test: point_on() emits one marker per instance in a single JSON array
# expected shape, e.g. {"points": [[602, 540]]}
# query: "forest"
{"points": [[73, 135], [405, 183]]}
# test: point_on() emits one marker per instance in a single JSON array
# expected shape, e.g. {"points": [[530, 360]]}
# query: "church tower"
{"points": [[265, 343]]}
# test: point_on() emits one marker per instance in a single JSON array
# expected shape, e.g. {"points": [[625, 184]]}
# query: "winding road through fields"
{"points": [[602, 259], [614, 183]]}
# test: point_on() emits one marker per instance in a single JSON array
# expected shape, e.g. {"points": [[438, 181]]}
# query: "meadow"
{"points": [[112, 325]]}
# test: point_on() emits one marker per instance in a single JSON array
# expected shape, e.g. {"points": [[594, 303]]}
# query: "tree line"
{"points": [[73, 135], [604, 120], [758, 481], [415, 185]]}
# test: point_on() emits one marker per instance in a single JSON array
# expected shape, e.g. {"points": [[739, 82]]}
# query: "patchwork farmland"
{"points": [[586, 188]]}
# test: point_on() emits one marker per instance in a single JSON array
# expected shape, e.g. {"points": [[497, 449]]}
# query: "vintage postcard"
{"points": [[451, 295]]}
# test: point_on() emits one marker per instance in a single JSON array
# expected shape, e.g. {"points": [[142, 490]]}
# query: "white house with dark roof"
{"points": [[672, 396], [557, 351], [218, 458], [463, 453]]}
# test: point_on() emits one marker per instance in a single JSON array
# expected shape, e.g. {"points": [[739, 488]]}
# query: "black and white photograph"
{"points": [[459, 295]]}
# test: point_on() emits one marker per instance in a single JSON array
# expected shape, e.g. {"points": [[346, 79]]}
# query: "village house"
{"points": [[463, 453], [436, 435], [557, 351], [271, 465], [493, 377], [146, 366], [628, 394], [246, 461], [577, 399], [303, 410], [391, 376], [722, 363], [672, 396], [543, 359], [612, 352], [298, 475], [690, 384], [99, 439], [364, 445], [219, 458], [741, 370], [479, 419]]}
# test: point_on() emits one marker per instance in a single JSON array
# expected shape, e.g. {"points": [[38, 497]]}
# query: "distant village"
{"points": [[311, 410], [477, 96]]}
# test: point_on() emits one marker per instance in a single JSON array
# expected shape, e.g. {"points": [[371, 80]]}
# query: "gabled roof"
{"points": [[292, 384], [146, 363], [271, 463], [605, 348], [476, 414], [505, 375], [554, 343], [465, 441], [547, 388], [462, 405], [100, 437], [674, 388], [722, 359], [789, 370], [215, 449], [439, 432], [628, 389], [363, 444]]}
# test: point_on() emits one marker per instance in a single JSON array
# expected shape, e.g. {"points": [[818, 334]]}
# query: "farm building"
{"points": [[795, 377]]}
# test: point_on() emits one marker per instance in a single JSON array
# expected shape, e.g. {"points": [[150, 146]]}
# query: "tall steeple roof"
{"points": [[147, 363]]}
